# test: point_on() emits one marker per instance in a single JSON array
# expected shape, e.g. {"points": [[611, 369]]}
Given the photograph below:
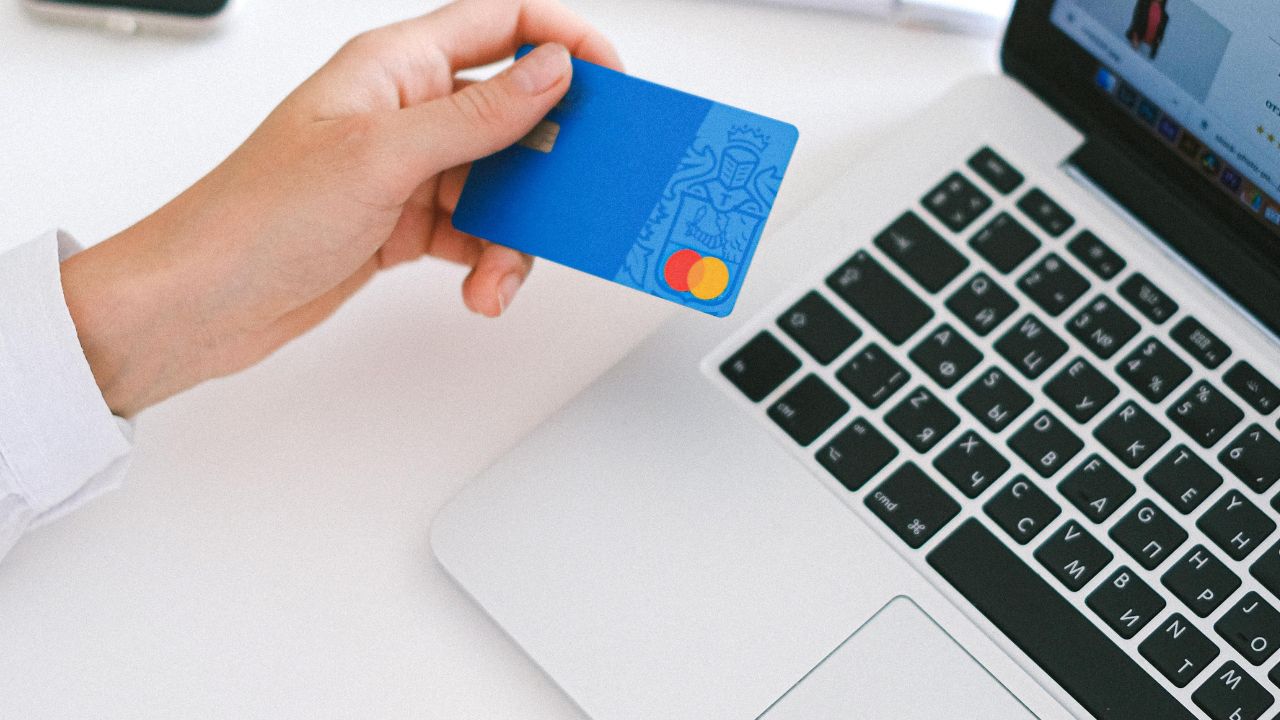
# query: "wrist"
{"points": [[124, 313]]}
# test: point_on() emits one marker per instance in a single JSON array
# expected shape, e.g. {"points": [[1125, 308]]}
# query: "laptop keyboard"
{"points": [[987, 375]]}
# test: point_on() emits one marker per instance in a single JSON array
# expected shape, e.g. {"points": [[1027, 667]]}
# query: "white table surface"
{"points": [[268, 556]]}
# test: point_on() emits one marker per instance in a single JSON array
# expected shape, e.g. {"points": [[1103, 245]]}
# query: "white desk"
{"points": [[268, 556]]}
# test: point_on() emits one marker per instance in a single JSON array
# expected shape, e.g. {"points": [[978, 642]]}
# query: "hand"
{"points": [[357, 170]]}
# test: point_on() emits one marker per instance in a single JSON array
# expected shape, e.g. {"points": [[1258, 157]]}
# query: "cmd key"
{"points": [[912, 505], [879, 297]]}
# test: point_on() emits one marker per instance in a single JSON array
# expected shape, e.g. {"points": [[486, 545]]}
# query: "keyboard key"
{"points": [[1081, 390], [1178, 650], [1252, 627], [1230, 694], [1183, 479], [884, 301], [1202, 345], [996, 399], [1254, 457], [956, 202], [1046, 213], [921, 419], [1096, 489], [1267, 570], [981, 304], [971, 464], [872, 376], [1072, 555], [1046, 444], [1053, 285], [1103, 326], [1235, 524], [924, 254], [1245, 381], [1031, 347], [946, 356], [857, 454], [1073, 651], [1132, 434], [1022, 509], [1095, 255], [808, 409], [1153, 370], [1005, 243], [1201, 581], [993, 168], [760, 366], [912, 505], [1148, 534], [1148, 299], [1205, 414], [819, 328], [1125, 602]]}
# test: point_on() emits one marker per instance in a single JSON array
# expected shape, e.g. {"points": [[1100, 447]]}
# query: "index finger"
{"points": [[469, 33]]}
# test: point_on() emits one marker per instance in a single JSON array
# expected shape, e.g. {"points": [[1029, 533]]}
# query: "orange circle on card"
{"points": [[708, 278], [676, 271]]}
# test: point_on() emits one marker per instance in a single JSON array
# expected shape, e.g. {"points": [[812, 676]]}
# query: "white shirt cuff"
{"points": [[60, 446]]}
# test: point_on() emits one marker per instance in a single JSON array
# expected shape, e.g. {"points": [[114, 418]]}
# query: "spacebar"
{"points": [[1072, 650]]}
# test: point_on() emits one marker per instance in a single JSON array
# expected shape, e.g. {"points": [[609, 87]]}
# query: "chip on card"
{"points": [[649, 187]]}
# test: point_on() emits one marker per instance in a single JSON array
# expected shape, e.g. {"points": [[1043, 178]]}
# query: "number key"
{"points": [[1254, 457], [1103, 326], [1053, 284], [1153, 370], [1205, 414]]}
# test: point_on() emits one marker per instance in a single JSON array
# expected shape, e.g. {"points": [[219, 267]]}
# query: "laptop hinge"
{"points": [[1241, 274]]}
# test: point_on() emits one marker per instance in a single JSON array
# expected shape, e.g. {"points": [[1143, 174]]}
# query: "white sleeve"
{"points": [[60, 446]]}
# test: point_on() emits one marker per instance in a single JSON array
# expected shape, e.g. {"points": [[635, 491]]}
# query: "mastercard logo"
{"points": [[706, 278]]}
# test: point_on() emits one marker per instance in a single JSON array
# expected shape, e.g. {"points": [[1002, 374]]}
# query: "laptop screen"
{"points": [[1201, 76]]}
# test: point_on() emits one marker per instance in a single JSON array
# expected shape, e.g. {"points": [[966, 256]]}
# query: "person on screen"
{"points": [[1150, 18], [358, 170]]}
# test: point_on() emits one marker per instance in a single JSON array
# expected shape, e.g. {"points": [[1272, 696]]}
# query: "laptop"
{"points": [[993, 435]]}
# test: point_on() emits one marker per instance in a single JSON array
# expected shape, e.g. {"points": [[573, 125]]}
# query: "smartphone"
{"points": [[129, 16]]}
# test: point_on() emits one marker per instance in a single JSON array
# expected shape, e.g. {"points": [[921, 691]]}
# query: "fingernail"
{"points": [[507, 291], [536, 72]]}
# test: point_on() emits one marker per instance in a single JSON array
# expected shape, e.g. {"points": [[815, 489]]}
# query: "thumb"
{"points": [[482, 118]]}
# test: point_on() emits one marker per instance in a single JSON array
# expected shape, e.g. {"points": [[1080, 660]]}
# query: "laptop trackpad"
{"points": [[899, 665]]}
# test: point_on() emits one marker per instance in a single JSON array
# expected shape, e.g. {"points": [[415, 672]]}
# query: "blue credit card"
{"points": [[649, 187]]}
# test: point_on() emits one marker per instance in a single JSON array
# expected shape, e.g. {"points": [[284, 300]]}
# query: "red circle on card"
{"points": [[676, 271]]}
